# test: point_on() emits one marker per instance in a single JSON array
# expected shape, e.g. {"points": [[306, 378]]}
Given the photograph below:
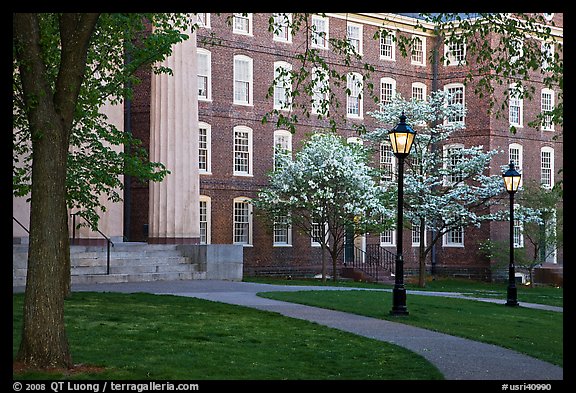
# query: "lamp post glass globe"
{"points": [[401, 138], [511, 178]]}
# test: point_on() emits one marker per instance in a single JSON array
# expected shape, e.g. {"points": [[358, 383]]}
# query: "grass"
{"points": [[536, 333], [548, 295], [165, 337]]}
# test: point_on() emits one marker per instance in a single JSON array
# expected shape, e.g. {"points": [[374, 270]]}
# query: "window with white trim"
{"points": [[515, 156], [387, 162], [242, 151], [204, 148], [454, 238], [547, 167], [388, 238], [518, 231], [282, 146], [204, 74], [515, 106], [242, 23], [354, 105], [547, 55], [516, 50], [452, 158], [282, 85], [456, 91], [455, 53], [416, 234], [242, 221], [546, 107], [281, 27], [418, 91], [418, 56], [388, 46], [320, 31], [316, 239], [320, 91], [205, 219], [243, 83], [282, 232], [387, 90], [354, 36], [203, 20]]}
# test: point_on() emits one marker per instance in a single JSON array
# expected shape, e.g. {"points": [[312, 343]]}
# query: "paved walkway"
{"points": [[456, 358]]}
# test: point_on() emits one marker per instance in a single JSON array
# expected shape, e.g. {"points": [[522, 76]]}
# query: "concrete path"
{"points": [[456, 358]]}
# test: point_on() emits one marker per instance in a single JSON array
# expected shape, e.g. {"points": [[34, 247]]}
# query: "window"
{"points": [[204, 74], [354, 99], [456, 91], [354, 36], [388, 238], [548, 16], [516, 50], [242, 80], [387, 90], [387, 46], [282, 146], [242, 23], [320, 91], [418, 51], [452, 158], [547, 167], [282, 85], [547, 54], [518, 231], [546, 106], [281, 28], [282, 232], [515, 106], [416, 234], [203, 20], [242, 221], [454, 238], [205, 219], [455, 53], [419, 91], [242, 151], [317, 230], [204, 148], [319, 32], [515, 156], [387, 162]]}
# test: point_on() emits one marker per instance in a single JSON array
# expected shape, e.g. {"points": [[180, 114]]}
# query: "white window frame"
{"points": [[449, 57], [236, 225], [315, 227], [462, 88], [355, 84], [205, 73], [447, 238], [413, 231], [386, 147], [516, 155], [320, 89], [288, 233], [388, 41], [248, 79], [384, 83], [284, 89], [283, 138], [545, 106], [242, 152], [547, 49], [547, 167], [389, 233], [206, 221], [518, 231], [317, 35], [208, 148], [281, 31], [355, 41], [450, 179], [236, 28], [423, 51], [203, 21], [515, 103], [518, 45], [421, 86]]}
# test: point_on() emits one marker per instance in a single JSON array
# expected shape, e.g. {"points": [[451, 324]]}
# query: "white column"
{"points": [[174, 202]]}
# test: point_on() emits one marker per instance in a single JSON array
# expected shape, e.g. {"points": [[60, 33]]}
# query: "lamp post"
{"points": [[511, 183], [401, 138]]}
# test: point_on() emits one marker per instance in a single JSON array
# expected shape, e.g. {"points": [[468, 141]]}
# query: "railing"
{"points": [[374, 260], [108, 241]]}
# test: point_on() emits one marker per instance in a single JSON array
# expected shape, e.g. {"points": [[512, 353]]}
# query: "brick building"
{"points": [[235, 66]]}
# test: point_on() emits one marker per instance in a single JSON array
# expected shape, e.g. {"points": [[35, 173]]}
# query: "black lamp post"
{"points": [[511, 182], [401, 138]]}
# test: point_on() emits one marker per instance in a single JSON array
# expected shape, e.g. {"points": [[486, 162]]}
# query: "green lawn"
{"points": [[165, 337], [534, 332]]}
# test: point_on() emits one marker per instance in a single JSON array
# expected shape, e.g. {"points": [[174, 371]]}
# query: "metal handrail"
{"points": [[108, 241], [19, 223], [374, 259]]}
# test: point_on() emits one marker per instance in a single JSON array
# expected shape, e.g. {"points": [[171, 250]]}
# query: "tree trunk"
{"points": [[422, 256], [323, 264]]}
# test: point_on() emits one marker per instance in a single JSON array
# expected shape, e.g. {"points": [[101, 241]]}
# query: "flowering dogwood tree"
{"points": [[446, 187], [327, 188]]}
